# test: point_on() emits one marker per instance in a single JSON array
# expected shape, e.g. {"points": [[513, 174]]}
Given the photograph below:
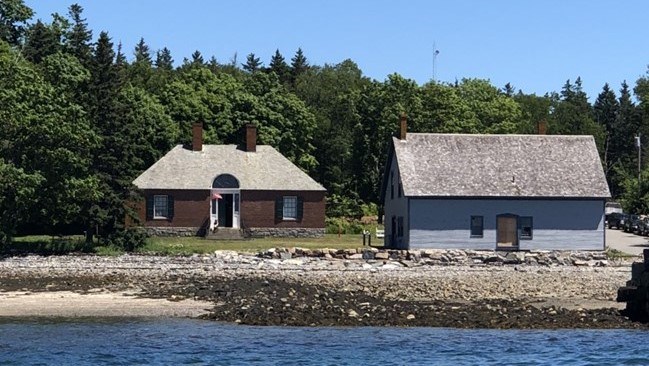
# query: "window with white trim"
{"points": [[289, 210], [160, 207]]}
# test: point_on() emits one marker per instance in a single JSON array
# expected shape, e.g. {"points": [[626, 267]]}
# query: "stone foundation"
{"points": [[262, 232], [173, 231]]}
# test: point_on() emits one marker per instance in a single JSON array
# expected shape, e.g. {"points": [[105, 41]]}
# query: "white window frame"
{"points": [[159, 198], [291, 213]]}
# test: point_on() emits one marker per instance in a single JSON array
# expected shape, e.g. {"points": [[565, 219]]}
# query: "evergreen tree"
{"points": [[163, 60], [509, 90], [252, 63], [120, 59], [14, 15], [103, 92], [299, 65], [41, 42], [141, 70], [605, 110], [197, 59], [142, 53], [622, 157], [279, 66], [79, 36]]}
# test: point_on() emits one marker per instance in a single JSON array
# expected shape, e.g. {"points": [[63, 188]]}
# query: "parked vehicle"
{"points": [[612, 207], [643, 226], [616, 220], [631, 223]]}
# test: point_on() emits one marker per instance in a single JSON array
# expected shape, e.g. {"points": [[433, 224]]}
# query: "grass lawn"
{"points": [[54, 245], [200, 245]]}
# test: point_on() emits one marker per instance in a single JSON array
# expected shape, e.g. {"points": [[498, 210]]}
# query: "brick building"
{"points": [[227, 190]]}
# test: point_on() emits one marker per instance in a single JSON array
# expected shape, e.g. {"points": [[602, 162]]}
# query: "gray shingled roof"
{"points": [[500, 165], [265, 169]]}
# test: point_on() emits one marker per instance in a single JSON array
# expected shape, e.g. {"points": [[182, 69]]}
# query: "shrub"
{"points": [[128, 239], [344, 225]]}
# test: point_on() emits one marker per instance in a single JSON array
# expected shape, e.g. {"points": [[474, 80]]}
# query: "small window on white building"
{"points": [[477, 227], [160, 207], [289, 208], [526, 226]]}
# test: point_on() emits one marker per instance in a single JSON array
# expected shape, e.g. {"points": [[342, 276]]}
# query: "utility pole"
{"points": [[639, 145]]}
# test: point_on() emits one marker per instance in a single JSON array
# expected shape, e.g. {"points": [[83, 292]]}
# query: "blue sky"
{"points": [[535, 45]]}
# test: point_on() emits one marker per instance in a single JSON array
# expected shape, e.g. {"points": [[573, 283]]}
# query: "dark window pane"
{"points": [[477, 226], [526, 226]]}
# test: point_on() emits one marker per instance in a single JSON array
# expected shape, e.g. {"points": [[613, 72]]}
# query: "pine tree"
{"points": [[142, 53], [197, 59], [141, 71], [605, 110], [79, 37], [103, 91], [41, 42], [299, 65], [279, 66], [163, 60], [252, 63], [120, 59], [622, 151]]}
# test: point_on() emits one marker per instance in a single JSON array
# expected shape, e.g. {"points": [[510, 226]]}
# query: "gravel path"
{"points": [[313, 291]]}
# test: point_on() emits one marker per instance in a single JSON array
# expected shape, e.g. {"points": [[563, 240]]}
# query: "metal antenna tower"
{"points": [[435, 53]]}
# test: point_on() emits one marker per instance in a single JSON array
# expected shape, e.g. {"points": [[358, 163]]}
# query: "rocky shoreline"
{"points": [[328, 291]]}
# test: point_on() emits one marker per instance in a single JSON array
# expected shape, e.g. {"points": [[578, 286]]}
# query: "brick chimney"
{"points": [[403, 127], [197, 136], [251, 138], [541, 127]]}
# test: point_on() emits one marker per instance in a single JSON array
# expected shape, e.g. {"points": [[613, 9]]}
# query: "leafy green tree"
{"points": [[14, 15], [534, 110], [45, 135], [444, 110], [17, 192], [495, 112], [66, 75]]}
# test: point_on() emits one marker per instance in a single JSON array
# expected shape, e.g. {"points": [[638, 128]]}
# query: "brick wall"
{"points": [[258, 209], [192, 208]]}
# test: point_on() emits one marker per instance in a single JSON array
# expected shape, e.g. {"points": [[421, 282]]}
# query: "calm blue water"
{"points": [[182, 341]]}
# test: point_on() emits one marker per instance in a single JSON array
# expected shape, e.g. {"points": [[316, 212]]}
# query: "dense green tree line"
{"points": [[80, 121]]}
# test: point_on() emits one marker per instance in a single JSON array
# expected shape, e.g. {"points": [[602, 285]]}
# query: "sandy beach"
{"points": [[307, 291]]}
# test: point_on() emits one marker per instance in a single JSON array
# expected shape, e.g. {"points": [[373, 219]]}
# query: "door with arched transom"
{"points": [[225, 202]]}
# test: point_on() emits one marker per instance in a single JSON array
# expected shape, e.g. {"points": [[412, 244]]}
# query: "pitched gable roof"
{"points": [[500, 166], [265, 169]]}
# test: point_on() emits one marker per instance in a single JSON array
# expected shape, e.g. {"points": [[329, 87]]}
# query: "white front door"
{"points": [[229, 214], [214, 213], [235, 211]]}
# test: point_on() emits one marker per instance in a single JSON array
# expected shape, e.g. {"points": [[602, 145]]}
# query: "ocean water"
{"points": [[195, 342]]}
